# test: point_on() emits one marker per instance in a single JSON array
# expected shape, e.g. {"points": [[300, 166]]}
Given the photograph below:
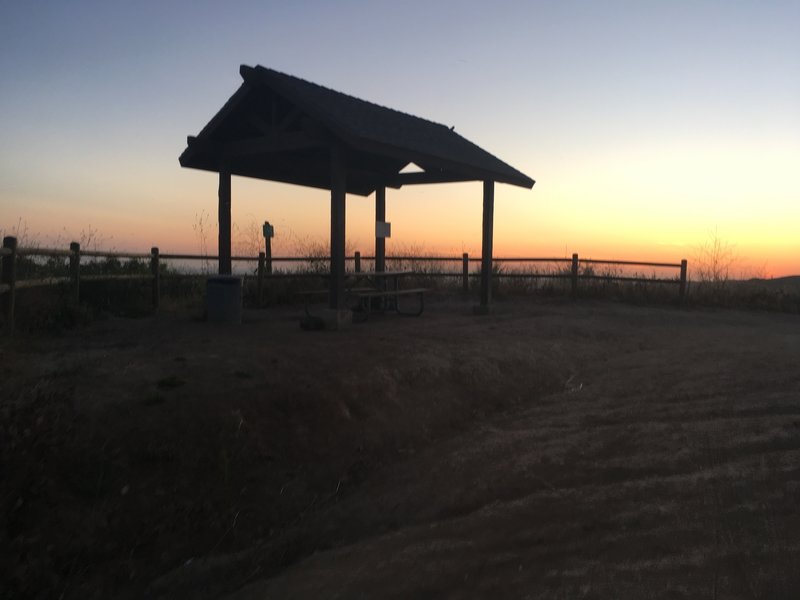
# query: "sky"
{"points": [[649, 126]]}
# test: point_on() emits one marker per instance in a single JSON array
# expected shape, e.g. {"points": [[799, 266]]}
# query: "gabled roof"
{"points": [[280, 127]]}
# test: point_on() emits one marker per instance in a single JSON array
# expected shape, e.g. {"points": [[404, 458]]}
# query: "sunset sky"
{"points": [[647, 125]]}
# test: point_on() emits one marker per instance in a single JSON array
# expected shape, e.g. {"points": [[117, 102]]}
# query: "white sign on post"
{"points": [[383, 230]]}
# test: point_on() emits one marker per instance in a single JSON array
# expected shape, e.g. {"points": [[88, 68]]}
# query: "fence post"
{"points": [[260, 292], [574, 274], [155, 269], [267, 254], [357, 262], [75, 271], [465, 272], [683, 280], [9, 278]]}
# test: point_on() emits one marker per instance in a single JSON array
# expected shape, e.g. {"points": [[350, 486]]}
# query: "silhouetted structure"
{"points": [[282, 128]]}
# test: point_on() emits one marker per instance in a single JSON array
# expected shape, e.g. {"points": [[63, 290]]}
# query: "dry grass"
{"points": [[554, 449]]}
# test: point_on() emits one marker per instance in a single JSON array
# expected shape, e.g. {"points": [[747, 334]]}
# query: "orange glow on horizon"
{"points": [[434, 219]]}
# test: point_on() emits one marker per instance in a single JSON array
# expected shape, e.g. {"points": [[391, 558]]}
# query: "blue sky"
{"points": [[645, 124]]}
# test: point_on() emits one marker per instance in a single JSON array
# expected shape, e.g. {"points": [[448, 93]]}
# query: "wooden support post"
{"points": [[338, 193], [574, 274], [155, 269], [224, 220], [9, 278], [380, 242], [75, 271], [683, 280], [260, 293], [486, 246], [465, 273], [357, 262], [268, 254]]}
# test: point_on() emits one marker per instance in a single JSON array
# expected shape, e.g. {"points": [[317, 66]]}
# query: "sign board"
{"points": [[269, 230], [383, 230]]}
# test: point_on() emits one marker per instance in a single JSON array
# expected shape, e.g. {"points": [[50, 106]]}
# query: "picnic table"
{"points": [[385, 292], [377, 291]]}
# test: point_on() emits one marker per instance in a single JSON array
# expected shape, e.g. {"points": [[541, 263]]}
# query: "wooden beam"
{"points": [[307, 178], [224, 220], [259, 123], [430, 177], [281, 167], [338, 193], [365, 178], [486, 245], [288, 119], [267, 144], [276, 142], [380, 242], [283, 124], [420, 158]]}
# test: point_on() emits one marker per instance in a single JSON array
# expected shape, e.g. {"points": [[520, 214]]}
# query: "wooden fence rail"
{"points": [[9, 284]]}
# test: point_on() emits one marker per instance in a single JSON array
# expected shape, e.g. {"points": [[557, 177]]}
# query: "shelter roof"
{"points": [[282, 128]]}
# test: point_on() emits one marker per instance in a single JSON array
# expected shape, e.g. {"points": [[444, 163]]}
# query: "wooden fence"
{"points": [[264, 271]]}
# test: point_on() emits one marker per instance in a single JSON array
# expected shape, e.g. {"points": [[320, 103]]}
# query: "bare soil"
{"points": [[552, 449]]}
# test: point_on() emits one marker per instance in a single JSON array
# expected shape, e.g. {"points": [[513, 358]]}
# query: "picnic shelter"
{"points": [[282, 128]]}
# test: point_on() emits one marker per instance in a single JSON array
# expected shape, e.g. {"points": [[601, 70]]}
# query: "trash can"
{"points": [[224, 299]]}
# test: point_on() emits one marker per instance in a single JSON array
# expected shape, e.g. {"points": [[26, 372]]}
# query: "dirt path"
{"points": [[669, 467], [550, 450]]}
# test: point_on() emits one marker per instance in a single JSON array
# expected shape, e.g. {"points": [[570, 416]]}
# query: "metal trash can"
{"points": [[224, 299]]}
